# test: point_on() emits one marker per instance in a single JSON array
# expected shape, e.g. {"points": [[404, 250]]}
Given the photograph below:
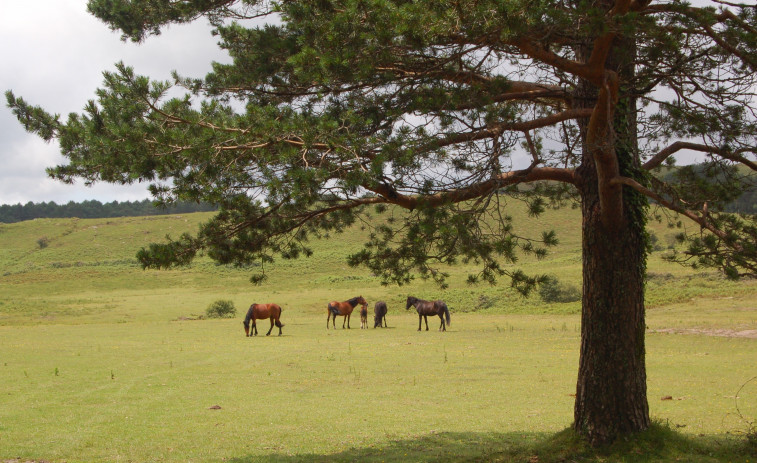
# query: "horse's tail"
{"points": [[446, 314], [333, 309], [277, 321]]}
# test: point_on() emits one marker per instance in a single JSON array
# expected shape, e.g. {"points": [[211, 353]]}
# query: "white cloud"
{"points": [[54, 54]]}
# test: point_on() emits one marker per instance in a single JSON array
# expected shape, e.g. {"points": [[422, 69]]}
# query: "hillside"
{"points": [[85, 270], [103, 362]]}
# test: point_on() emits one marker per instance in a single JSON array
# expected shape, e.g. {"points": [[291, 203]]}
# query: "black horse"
{"points": [[379, 313], [426, 308]]}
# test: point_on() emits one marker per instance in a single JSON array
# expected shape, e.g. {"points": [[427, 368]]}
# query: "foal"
{"points": [[364, 317]]}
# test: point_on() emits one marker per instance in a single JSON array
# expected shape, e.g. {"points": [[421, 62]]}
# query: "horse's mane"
{"points": [[353, 301], [248, 317]]}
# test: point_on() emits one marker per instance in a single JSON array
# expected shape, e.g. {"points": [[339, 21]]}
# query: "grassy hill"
{"points": [[85, 270], [100, 361]]}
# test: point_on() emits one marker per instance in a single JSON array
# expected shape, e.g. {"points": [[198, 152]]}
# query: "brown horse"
{"points": [[364, 317], [261, 312], [379, 313], [343, 308], [426, 308]]}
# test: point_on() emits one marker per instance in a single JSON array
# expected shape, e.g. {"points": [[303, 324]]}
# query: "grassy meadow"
{"points": [[103, 361]]}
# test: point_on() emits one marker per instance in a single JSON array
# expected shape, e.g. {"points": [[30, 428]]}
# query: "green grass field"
{"points": [[102, 361]]}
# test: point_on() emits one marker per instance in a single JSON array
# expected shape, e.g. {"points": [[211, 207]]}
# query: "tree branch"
{"points": [[661, 156], [495, 130], [531, 174], [699, 219]]}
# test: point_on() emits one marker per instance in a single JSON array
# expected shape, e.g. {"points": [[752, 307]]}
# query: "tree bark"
{"points": [[611, 393]]}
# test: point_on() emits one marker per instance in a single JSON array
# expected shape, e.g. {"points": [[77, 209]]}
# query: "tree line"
{"points": [[94, 209]]}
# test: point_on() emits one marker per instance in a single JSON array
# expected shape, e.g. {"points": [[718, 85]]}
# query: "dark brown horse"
{"points": [[343, 308], [426, 308], [261, 312], [379, 313]]}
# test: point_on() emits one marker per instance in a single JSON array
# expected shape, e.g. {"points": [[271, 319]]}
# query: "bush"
{"points": [[43, 242], [221, 309], [552, 290]]}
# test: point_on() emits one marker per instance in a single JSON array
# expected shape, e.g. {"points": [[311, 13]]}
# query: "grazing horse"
{"points": [[343, 308], [426, 308], [364, 317], [379, 313], [261, 312]]}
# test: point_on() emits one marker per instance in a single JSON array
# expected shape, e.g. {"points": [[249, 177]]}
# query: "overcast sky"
{"points": [[53, 54]]}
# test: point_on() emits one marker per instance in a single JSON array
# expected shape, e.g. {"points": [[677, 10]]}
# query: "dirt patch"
{"points": [[726, 333]]}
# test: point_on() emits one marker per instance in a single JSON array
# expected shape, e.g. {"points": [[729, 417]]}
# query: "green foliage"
{"points": [[360, 104], [43, 242], [221, 308], [552, 290]]}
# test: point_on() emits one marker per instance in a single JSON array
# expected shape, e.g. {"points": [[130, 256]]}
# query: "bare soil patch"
{"points": [[722, 332]]}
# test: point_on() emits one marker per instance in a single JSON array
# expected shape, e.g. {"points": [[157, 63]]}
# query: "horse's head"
{"points": [[410, 301], [361, 300], [247, 319]]}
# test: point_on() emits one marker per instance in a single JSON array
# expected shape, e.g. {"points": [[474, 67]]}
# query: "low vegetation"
{"points": [[221, 308], [553, 290], [102, 361]]}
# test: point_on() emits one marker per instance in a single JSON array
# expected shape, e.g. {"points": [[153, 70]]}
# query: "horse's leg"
{"points": [[442, 327], [425, 319], [384, 317], [271, 328], [254, 327], [328, 318]]}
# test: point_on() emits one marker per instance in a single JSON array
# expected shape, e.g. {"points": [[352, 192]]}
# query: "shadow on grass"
{"points": [[659, 444]]}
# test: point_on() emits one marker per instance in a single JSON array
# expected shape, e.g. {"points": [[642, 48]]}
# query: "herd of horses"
{"points": [[345, 309]]}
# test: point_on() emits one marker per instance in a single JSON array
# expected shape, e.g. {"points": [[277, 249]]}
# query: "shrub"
{"points": [[221, 309], [43, 242], [552, 290], [486, 302]]}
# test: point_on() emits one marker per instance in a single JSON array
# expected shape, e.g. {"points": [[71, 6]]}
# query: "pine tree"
{"points": [[335, 107]]}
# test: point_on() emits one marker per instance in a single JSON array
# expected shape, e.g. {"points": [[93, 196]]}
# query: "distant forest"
{"points": [[94, 209], [745, 204]]}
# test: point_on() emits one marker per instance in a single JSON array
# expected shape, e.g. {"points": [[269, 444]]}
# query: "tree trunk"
{"points": [[611, 394]]}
